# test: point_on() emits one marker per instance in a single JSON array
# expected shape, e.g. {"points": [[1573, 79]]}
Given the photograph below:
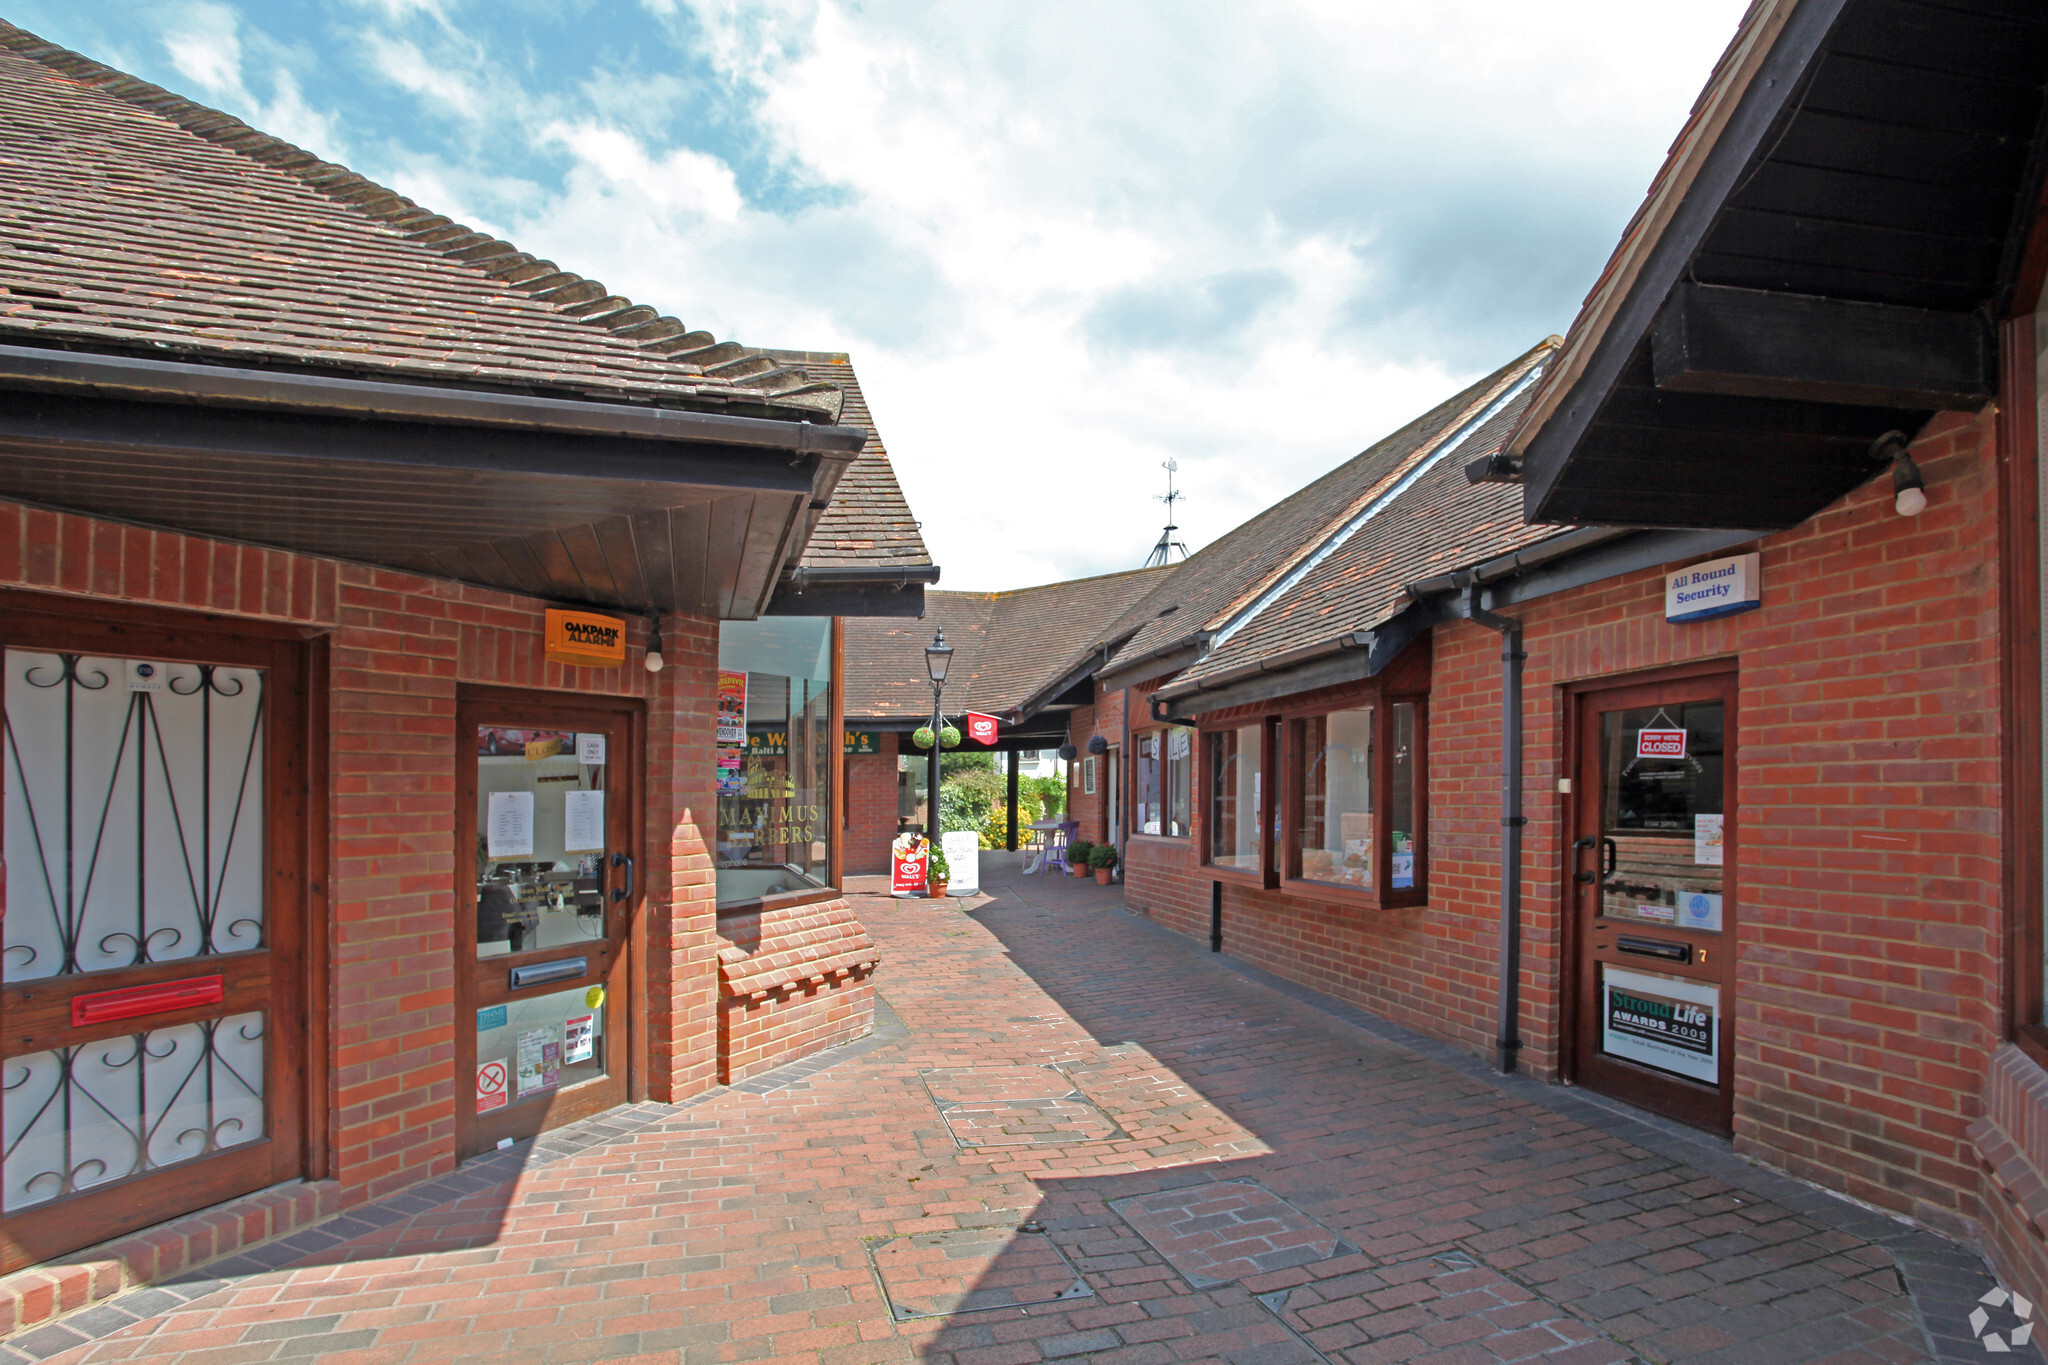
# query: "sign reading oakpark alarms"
{"points": [[585, 638]]}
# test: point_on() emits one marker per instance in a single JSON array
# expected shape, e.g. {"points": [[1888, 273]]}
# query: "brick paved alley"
{"points": [[1075, 1135]]}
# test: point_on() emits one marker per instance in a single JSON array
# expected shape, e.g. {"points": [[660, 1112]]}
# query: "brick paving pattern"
{"points": [[1213, 1234], [1480, 1221]]}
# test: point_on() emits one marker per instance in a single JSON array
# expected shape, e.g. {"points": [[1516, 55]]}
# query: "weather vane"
{"points": [[1169, 539]]}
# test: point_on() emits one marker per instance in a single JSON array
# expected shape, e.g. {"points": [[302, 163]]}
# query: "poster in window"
{"points": [[579, 1038], [583, 822], [1088, 777], [509, 825], [732, 708], [540, 1061], [1661, 1021]]}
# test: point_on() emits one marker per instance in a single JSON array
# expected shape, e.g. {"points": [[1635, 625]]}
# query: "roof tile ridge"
{"points": [[1509, 375], [573, 295]]}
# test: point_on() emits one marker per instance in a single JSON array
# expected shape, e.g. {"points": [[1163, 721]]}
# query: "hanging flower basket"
{"points": [[922, 736], [949, 738]]}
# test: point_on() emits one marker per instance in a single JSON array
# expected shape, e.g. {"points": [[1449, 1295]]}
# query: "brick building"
{"points": [[1662, 715], [389, 618], [1025, 656]]}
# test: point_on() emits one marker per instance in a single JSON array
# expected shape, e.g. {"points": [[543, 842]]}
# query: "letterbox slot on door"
{"points": [[135, 1001], [1650, 947], [540, 973]]}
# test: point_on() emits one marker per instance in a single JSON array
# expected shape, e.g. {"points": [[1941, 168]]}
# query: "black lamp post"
{"points": [[937, 655]]}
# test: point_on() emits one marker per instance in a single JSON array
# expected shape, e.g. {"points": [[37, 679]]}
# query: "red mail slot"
{"points": [[101, 1006]]}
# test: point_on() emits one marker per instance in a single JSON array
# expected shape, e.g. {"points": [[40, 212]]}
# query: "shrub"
{"points": [[1050, 791], [1078, 851], [936, 871], [1101, 856], [966, 799], [997, 829]]}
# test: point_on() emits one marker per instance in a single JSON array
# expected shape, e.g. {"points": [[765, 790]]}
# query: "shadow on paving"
{"points": [[1481, 1218]]}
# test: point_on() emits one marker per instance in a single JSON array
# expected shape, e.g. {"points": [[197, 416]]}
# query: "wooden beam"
{"points": [[1752, 343]]}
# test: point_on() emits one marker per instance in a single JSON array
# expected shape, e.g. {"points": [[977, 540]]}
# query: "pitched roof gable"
{"points": [[138, 220], [1230, 576], [869, 523], [1436, 523], [1009, 647]]}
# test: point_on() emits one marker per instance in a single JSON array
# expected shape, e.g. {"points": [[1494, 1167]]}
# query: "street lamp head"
{"points": [[937, 655]]}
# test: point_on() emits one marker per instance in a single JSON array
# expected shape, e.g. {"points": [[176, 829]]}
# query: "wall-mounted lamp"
{"points": [[1909, 490], [654, 661]]}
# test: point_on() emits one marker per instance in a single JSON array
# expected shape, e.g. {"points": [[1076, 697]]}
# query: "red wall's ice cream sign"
{"points": [[1719, 587]]}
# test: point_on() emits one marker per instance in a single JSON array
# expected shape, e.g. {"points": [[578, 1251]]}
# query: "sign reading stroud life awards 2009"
{"points": [[1661, 1021]]}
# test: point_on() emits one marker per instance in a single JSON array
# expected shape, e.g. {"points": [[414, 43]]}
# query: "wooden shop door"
{"points": [[547, 898], [155, 810], [1650, 880]]}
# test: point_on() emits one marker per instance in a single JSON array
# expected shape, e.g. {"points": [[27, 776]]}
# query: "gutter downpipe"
{"points": [[1508, 1032]]}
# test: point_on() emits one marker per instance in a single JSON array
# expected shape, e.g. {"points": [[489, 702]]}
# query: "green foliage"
{"points": [[1102, 857], [950, 764], [1078, 852], [936, 871], [1050, 791], [996, 833], [966, 798]]}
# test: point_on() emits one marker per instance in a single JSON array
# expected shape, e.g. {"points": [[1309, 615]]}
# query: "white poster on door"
{"points": [[1662, 1021], [583, 822], [1708, 834], [509, 821]]}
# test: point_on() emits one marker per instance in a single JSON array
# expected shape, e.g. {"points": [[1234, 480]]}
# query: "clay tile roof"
{"points": [[869, 521], [1009, 647], [1228, 576], [1438, 523], [139, 221]]}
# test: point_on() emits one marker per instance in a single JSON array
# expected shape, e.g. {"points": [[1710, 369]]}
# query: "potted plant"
{"points": [[1102, 858], [1077, 857], [936, 872]]}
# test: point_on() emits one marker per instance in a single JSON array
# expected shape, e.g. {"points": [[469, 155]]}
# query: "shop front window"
{"points": [[774, 756], [1335, 798], [1236, 793], [1165, 781], [1354, 808]]}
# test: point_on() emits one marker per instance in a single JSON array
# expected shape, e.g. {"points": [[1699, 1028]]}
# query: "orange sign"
{"points": [[586, 638]]}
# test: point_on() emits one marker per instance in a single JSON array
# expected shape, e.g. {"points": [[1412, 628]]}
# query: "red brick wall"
{"points": [[400, 644], [870, 822], [1867, 847], [792, 980]]}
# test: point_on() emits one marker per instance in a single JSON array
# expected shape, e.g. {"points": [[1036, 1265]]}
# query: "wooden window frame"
{"points": [[2020, 604], [1268, 876], [1138, 737], [1287, 862]]}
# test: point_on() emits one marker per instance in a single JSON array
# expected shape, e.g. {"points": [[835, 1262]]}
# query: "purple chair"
{"points": [[1056, 846]]}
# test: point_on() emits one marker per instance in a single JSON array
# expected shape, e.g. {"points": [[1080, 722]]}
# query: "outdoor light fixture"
{"points": [[1909, 490], [937, 655], [654, 661]]}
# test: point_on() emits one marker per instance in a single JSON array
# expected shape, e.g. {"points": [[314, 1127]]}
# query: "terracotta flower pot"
{"points": [[935, 888], [1078, 869], [1102, 876]]}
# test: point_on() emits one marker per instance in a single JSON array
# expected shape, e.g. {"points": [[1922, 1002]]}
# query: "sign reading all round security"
{"points": [[1719, 587]]}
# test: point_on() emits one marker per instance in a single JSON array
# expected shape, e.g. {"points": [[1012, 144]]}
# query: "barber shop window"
{"points": [[1354, 818], [1234, 798], [774, 756], [1165, 776]]}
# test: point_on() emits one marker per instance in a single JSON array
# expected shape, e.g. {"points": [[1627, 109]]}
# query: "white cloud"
{"points": [[1063, 242]]}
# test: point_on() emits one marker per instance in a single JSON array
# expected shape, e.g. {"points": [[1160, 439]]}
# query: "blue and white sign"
{"points": [[1719, 587]]}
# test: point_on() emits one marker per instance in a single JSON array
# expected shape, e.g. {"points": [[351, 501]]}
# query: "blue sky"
{"points": [[1063, 242]]}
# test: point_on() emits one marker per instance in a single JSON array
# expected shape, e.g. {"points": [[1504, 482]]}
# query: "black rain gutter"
{"points": [[880, 575], [142, 378], [1507, 1042]]}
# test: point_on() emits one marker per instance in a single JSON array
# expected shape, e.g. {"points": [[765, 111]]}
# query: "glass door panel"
{"points": [[546, 908], [1649, 874], [146, 977]]}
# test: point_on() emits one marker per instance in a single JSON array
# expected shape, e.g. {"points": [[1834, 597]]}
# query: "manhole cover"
{"points": [[1015, 1106], [936, 1274], [1213, 1234]]}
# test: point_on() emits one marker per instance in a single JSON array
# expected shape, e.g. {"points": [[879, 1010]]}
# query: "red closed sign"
{"points": [[1660, 744]]}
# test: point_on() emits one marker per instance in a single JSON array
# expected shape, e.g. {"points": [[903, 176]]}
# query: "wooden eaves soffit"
{"points": [[1816, 264]]}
